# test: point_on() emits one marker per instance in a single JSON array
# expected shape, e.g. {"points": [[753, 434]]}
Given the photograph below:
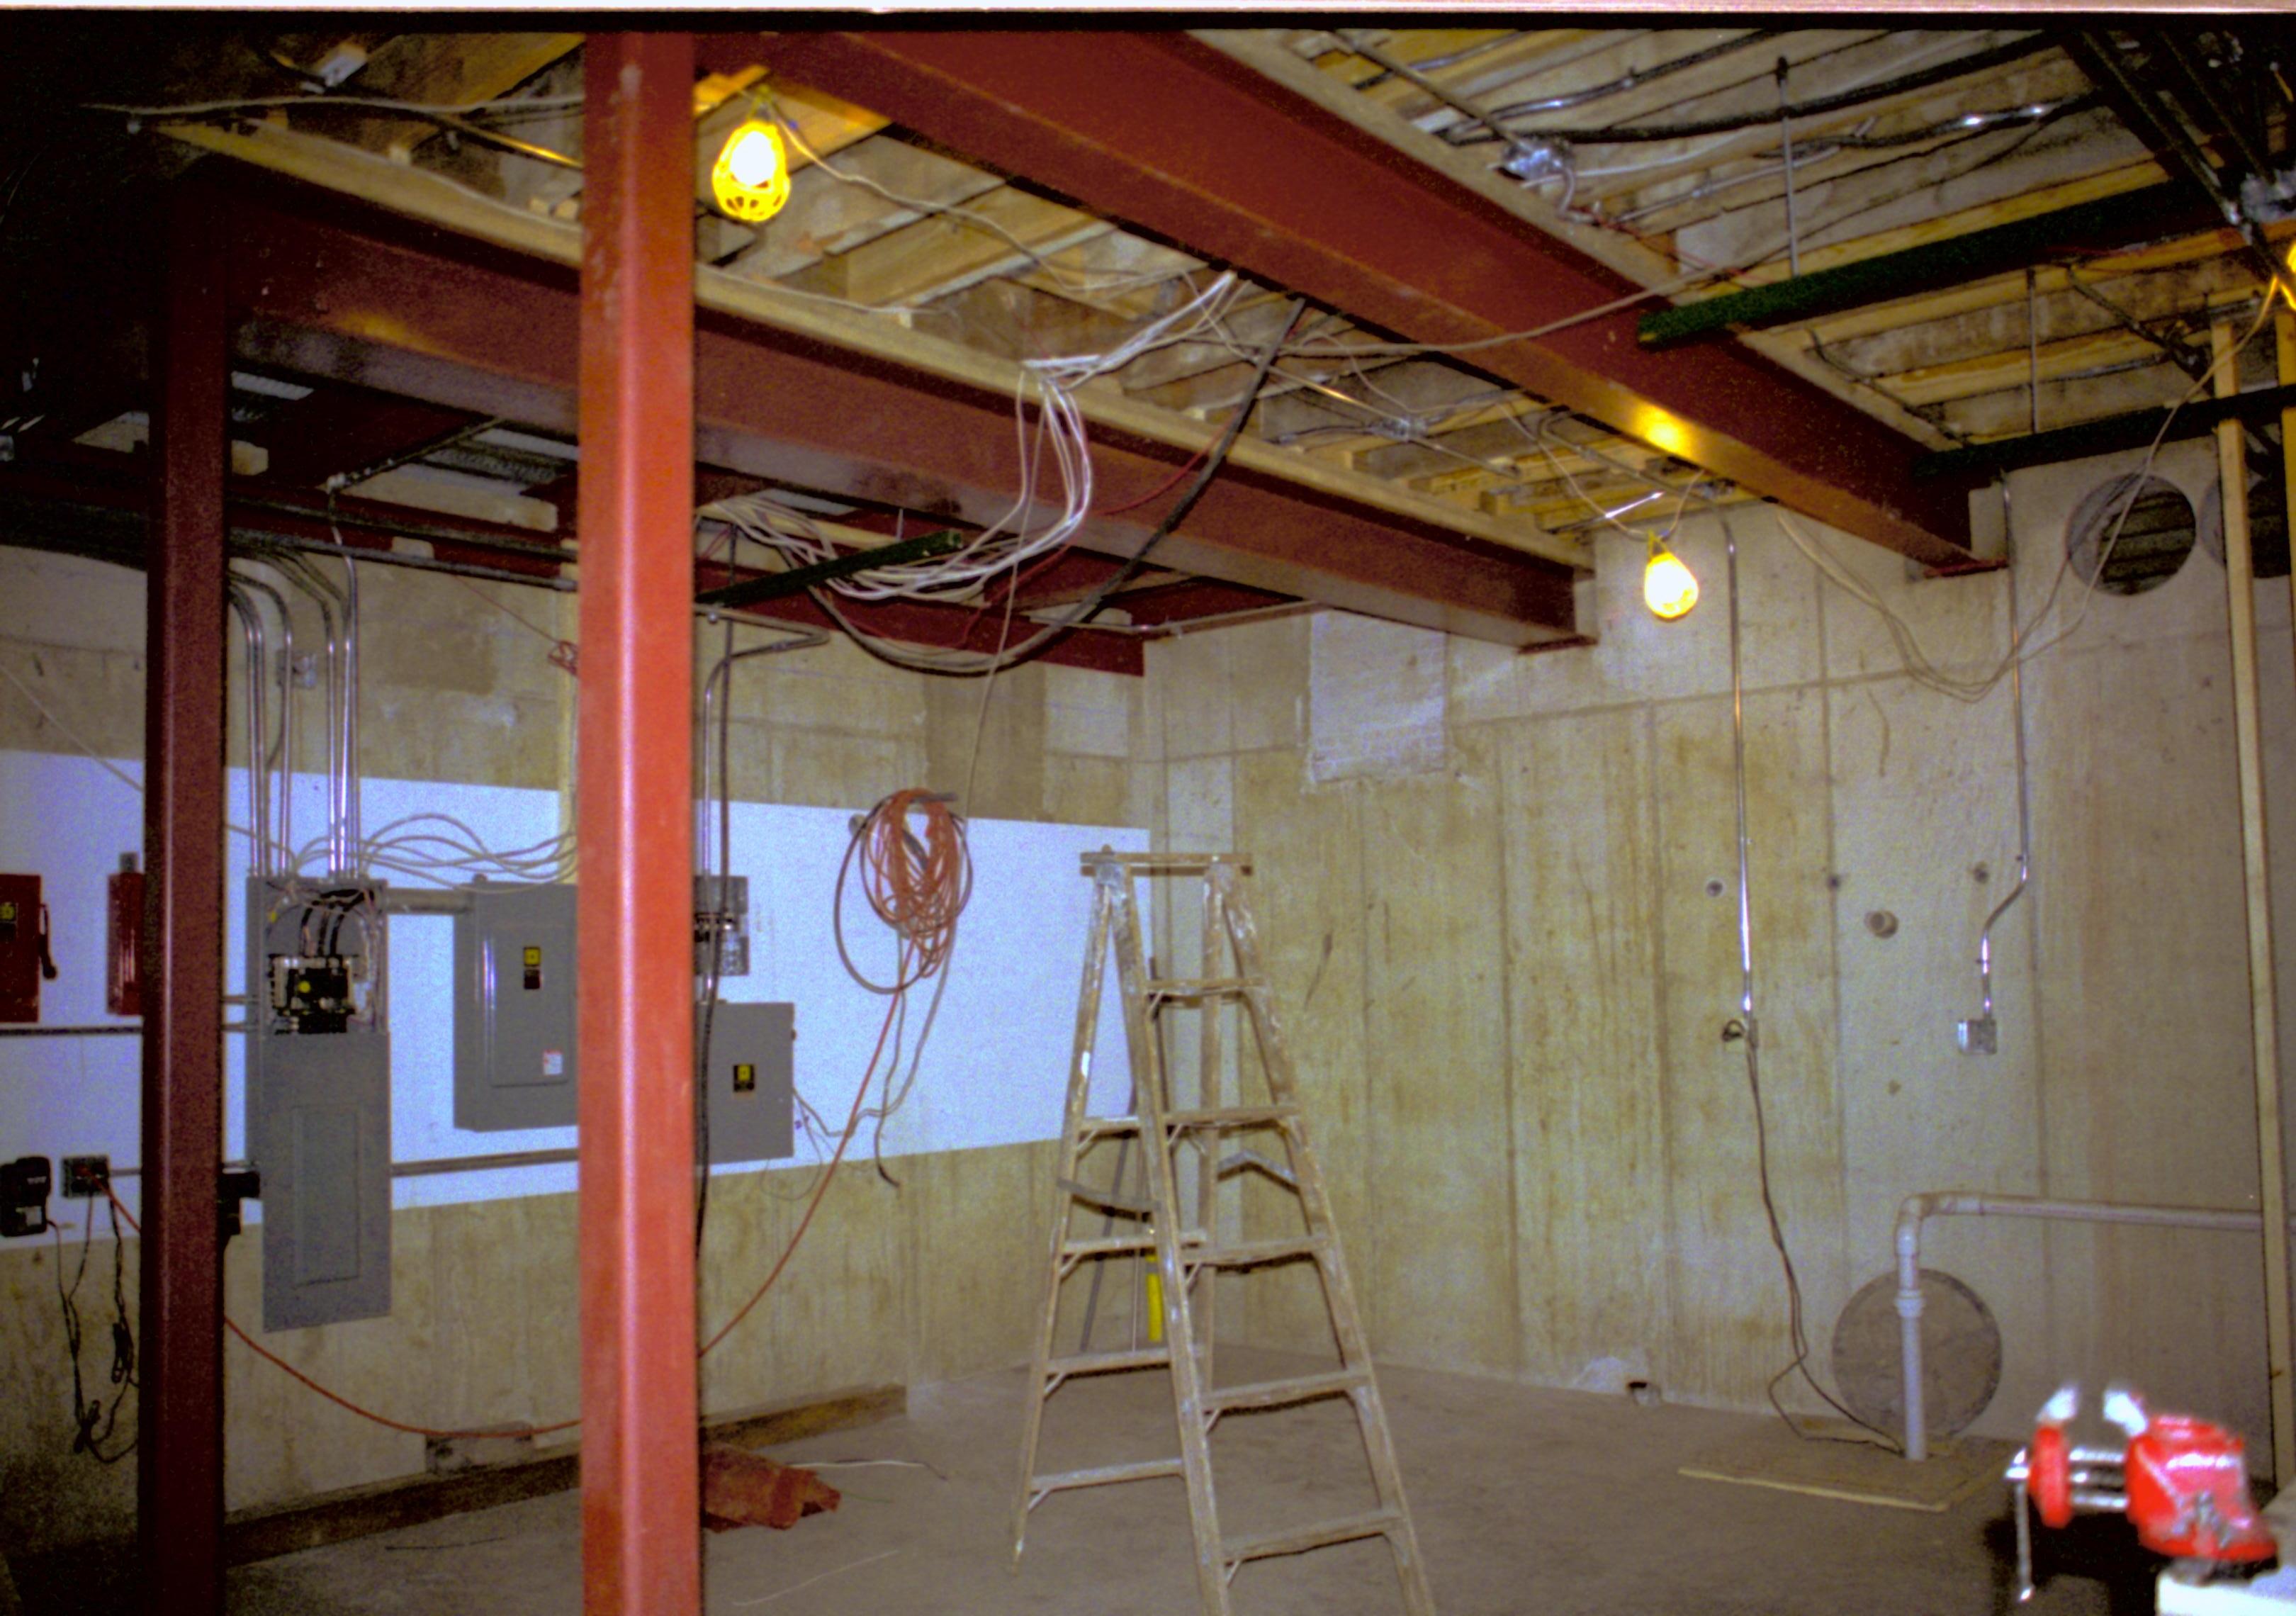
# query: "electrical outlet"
{"points": [[86, 1177]]}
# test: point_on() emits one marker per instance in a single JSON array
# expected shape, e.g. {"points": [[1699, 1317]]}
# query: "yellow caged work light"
{"points": [[751, 178], [1669, 589]]}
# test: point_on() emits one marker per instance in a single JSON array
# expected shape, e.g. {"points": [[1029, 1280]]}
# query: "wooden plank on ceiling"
{"points": [[448, 69], [1002, 230]]}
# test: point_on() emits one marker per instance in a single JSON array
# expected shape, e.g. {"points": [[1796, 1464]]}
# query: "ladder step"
{"points": [[1093, 1128], [1103, 1475], [1108, 1245], [1101, 1363], [1111, 1199], [1298, 1539], [1206, 988], [1276, 1394], [1256, 1251], [1163, 864], [1231, 1116], [1118, 1245]]}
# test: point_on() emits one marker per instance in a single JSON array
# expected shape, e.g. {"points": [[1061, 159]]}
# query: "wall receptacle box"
{"points": [[515, 1063], [752, 1064]]}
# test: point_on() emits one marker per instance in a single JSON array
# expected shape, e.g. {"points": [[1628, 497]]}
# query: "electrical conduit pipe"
{"points": [[1916, 1209]]}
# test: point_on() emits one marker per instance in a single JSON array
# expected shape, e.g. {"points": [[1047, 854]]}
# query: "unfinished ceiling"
{"points": [[1914, 241]]}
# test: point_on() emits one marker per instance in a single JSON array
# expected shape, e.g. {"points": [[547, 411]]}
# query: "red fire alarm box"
{"points": [[123, 971], [24, 961]]}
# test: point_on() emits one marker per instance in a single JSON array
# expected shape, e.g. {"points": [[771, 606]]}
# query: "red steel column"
{"points": [[641, 1505], [179, 1453]]}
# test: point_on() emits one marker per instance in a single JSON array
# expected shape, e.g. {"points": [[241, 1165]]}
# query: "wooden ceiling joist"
{"points": [[365, 296], [1323, 209]]}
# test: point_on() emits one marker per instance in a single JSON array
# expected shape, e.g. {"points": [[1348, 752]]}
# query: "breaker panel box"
{"points": [[515, 1058], [752, 1063], [318, 1098], [24, 959]]}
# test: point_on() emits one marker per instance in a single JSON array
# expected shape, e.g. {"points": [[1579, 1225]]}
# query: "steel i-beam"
{"points": [[641, 1505]]}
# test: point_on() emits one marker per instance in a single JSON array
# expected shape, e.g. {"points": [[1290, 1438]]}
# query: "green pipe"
{"points": [[773, 585], [2107, 223]]}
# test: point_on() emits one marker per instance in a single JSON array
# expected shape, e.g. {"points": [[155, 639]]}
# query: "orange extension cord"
{"points": [[917, 888]]}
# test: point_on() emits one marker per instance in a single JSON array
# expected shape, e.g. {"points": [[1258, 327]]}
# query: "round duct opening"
{"points": [[2139, 528], [1961, 1355]]}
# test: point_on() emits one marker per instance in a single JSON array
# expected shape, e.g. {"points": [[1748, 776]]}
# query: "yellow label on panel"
{"points": [[745, 1077], [533, 957]]}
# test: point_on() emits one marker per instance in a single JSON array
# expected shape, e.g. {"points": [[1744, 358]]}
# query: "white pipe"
{"points": [[1915, 1208]]}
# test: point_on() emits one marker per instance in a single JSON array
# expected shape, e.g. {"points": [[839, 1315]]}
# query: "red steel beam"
{"points": [[339, 292], [641, 1476], [179, 1451], [1161, 130]]}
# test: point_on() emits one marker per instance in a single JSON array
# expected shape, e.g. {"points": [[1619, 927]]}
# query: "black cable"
{"points": [[1798, 1336], [724, 673], [712, 977], [88, 1412], [1626, 81], [1960, 67]]}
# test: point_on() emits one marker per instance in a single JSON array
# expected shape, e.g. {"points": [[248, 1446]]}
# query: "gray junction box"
{"points": [[515, 1060], [515, 1063], [752, 1060]]}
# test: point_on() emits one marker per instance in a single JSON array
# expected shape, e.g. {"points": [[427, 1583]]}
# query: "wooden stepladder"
{"points": [[1186, 1258]]}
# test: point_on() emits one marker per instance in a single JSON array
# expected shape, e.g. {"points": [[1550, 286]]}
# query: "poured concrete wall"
{"points": [[1508, 973], [932, 1281], [1506, 957]]}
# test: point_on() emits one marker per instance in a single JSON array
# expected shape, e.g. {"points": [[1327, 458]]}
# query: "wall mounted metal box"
{"points": [[318, 1099], [514, 1057], [752, 1061]]}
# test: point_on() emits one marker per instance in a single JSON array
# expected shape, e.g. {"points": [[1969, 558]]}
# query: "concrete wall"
{"points": [[930, 1282], [1505, 961], [1509, 973]]}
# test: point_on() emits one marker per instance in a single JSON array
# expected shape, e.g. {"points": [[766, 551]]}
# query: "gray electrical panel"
{"points": [[752, 1059], [318, 1099], [515, 1056]]}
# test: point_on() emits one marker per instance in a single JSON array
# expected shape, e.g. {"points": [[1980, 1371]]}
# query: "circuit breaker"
{"points": [[752, 1062], [318, 1098], [515, 1056], [24, 959]]}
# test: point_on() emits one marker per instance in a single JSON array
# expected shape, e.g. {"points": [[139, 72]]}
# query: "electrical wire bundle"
{"points": [[1017, 536]]}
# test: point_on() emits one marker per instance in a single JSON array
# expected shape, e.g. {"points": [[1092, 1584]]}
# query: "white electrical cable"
{"points": [[1057, 433]]}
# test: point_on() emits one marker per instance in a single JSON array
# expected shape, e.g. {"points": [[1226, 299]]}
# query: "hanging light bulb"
{"points": [[750, 177], [1669, 587]]}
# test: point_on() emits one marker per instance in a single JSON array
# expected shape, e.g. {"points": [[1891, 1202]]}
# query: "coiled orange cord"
{"points": [[918, 885]]}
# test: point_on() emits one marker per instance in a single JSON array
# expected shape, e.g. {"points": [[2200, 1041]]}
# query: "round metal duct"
{"points": [[2141, 528], [1961, 1355]]}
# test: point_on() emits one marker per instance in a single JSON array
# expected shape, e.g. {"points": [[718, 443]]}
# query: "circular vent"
{"points": [[2141, 529], [1961, 1355]]}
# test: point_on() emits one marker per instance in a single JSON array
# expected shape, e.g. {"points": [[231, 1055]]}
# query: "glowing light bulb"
{"points": [[750, 177], [1669, 589]]}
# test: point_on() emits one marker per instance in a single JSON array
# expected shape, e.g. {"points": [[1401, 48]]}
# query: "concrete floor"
{"points": [[1525, 1500]]}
